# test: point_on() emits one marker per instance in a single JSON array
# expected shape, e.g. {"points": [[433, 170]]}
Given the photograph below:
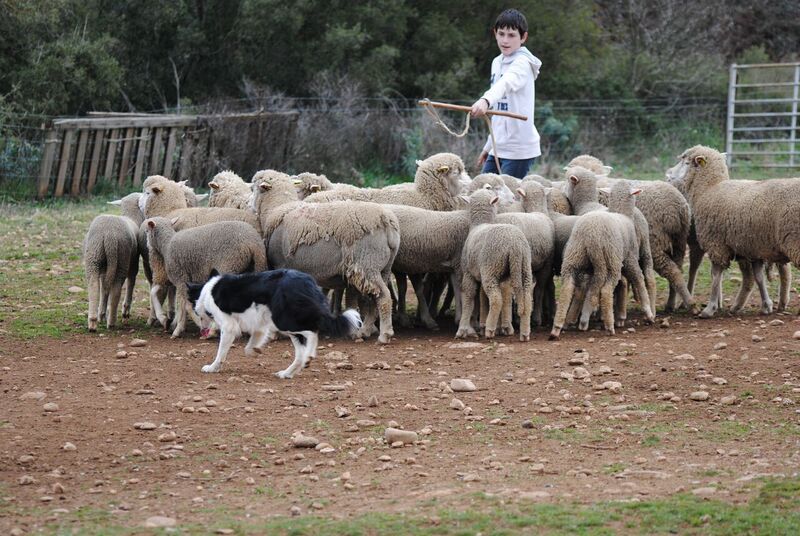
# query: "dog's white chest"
{"points": [[256, 317]]}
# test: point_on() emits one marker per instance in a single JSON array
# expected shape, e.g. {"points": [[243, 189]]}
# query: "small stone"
{"points": [[365, 423], [796, 335], [69, 447], [614, 387], [50, 407], [699, 396], [385, 458], [303, 441], [720, 346], [776, 322], [144, 426], [159, 522], [342, 412], [704, 492], [37, 395], [461, 385], [373, 401], [317, 505], [719, 381], [728, 400], [685, 357], [295, 511], [465, 345], [756, 338], [26, 480], [74, 290], [393, 435], [580, 373], [121, 354], [187, 409], [527, 424], [57, 488], [537, 468], [167, 437], [457, 404], [137, 343]]}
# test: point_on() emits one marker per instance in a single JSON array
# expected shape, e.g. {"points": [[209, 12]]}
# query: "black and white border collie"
{"points": [[285, 301]]}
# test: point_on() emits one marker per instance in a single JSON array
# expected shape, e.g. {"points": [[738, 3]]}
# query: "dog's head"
{"points": [[195, 293]]}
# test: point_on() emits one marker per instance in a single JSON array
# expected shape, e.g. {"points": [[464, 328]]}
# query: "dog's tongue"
{"points": [[204, 333]]}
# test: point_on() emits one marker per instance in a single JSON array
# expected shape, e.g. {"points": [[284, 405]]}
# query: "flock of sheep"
{"points": [[492, 238]]}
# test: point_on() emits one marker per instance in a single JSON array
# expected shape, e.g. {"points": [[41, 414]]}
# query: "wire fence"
{"points": [[345, 136]]}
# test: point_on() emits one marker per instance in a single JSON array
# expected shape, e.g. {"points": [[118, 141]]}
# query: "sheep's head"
{"points": [[581, 183], [557, 202], [592, 163], [537, 178], [621, 197], [311, 183], [446, 170], [493, 182], [274, 185], [533, 196], [697, 167], [483, 205]]}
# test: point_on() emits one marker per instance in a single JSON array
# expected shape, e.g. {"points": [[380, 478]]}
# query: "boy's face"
{"points": [[509, 40]]}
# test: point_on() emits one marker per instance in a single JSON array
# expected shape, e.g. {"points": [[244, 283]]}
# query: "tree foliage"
{"points": [[71, 56]]}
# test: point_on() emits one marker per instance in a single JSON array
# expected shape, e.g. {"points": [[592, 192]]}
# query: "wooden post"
{"points": [[111, 154], [731, 106], [187, 151], [95, 165], [75, 187], [173, 132], [154, 166], [50, 144], [126, 156], [63, 163], [144, 139], [795, 96]]}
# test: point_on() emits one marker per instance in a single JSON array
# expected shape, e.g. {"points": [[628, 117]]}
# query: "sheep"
{"points": [[756, 221], [228, 190], [492, 254], [437, 186], [110, 258], [191, 255], [603, 244], [547, 183], [494, 182], [345, 243], [668, 219], [311, 183], [538, 229], [581, 190]]}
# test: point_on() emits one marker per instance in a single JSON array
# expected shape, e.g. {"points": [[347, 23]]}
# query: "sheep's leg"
{"points": [[182, 307], [758, 273], [635, 277], [130, 284], [155, 305], [716, 291], [695, 258], [113, 297], [607, 306], [369, 313], [506, 314], [748, 279], [160, 296], [549, 301], [484, 309], [336, 303], [422, 305], [103, 309], [455, 288], [469, 287], [225, 341], [576, 307], [171, 298], [587, 308], [650, 283], [494, 296], [299, 357], [785, 271], [564, 300], [539, 290], [677, 286], [402, 287], [524, 311], [672, 299], [621, 303], [384, 303], [94, 301]]}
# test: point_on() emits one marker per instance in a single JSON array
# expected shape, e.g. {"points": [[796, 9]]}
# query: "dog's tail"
{"points": [[340, 325]]}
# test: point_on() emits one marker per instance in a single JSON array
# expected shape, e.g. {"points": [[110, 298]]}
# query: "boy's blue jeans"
{"points": [[515, 168]]}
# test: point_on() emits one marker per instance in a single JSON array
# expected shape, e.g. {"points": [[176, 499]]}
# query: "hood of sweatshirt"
{"points": [[534, 62]]}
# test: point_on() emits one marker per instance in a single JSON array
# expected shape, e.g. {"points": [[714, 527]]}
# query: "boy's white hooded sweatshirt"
{"points": [[513, 91]]}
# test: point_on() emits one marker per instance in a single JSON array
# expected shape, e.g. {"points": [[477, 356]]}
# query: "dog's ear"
{"points": [[214, 273], [194, 290]]}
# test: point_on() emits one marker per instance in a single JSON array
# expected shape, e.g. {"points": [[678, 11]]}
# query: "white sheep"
{"points": [[341, 244], [190, 256], [228, 190], [493, 254], [311, 183], [758, 221]]}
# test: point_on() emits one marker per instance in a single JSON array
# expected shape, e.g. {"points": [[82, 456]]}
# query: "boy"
{"points": [[512, 90]]}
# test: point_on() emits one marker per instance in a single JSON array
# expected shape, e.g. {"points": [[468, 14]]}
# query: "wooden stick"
{"points": [[459, 108]]}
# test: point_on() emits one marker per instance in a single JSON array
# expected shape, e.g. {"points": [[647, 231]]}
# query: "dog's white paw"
{"points": [[210, 368], [252, 352], [284, 375]]}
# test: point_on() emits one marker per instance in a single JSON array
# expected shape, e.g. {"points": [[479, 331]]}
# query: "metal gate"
{"points": [[762, 129]]}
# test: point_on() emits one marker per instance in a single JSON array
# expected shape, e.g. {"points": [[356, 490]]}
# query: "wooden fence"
{"points": [[762, 126], [126, 148]]}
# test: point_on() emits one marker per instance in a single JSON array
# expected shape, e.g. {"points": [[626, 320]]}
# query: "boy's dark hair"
{"points": [[512, 18]]}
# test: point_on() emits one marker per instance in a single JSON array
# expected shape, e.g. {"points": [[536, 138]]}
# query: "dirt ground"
{"points": [[534, 430]]}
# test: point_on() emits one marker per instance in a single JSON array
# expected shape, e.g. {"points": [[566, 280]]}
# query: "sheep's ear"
{"points": [[494, 200], [605, 190], [636, 191], [174, 221], [156, 189], [418, 162], [573, 179], [464, 198], [315, 188], [487, 186], [297, 182], [700, 160], [606, 170], [443, 169], [213, 185], [263, 186], [117, 202], [151, 224], [521, 192]]}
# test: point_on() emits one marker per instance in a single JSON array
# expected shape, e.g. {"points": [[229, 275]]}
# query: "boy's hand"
{"points": [[479, 108], [482, 159]]}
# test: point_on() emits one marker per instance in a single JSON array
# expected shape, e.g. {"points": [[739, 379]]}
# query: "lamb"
{"points": [[191, 255], [344, 243], [669, 221], [492, 254], [602, 244], [437, 186], [757, 221], [311, 183], [111, 258], [228, 190], [496, 183]]}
